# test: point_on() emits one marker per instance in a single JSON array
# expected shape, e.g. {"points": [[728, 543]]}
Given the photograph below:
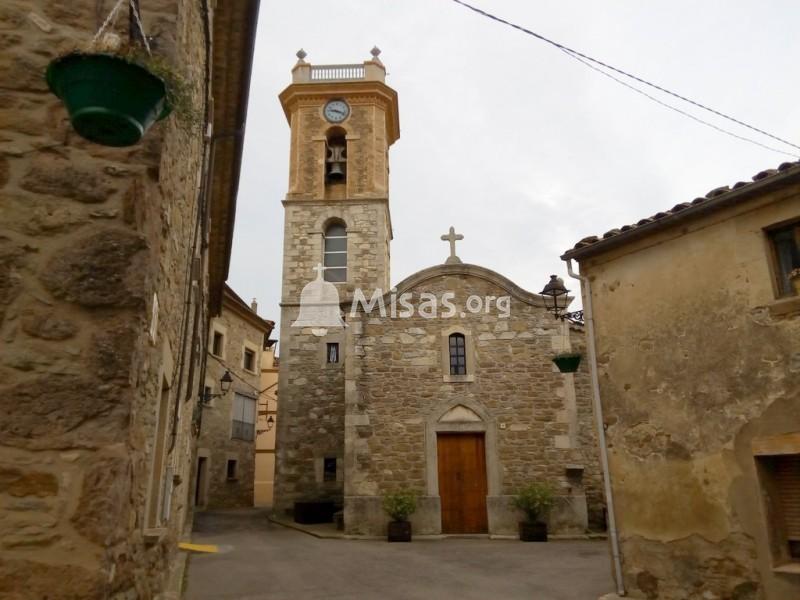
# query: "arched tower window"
{"points": [[335, 258], [458, 354], [335, 156]]}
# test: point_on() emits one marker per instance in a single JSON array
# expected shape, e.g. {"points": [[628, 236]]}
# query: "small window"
{"points": [[218, 345], [207, 394], [458, 354], [231, 469], [335, 258], [329, 469], [244, 418], [332, 353], [786, 249], [249, 362]]}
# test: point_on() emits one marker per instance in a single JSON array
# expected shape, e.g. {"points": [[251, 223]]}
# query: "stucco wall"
{"points": [[696, 360], [265, 442], [88, 235]]}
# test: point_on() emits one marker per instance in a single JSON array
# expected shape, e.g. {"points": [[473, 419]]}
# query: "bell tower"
{"points": [[342, 118]]}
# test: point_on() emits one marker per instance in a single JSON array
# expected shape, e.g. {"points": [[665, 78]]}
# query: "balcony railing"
{"points": [[337, 72]]}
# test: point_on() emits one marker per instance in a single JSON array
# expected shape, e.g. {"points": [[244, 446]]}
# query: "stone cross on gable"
{"points": [[452, 237]]}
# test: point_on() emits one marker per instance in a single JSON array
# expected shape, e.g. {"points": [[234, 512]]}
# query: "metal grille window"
{"points": [[231, 469], [244, 418], [335, 259], [458, 354], [786, 248], [333, 353]]}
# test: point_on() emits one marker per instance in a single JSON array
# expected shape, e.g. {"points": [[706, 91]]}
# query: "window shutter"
{"points": [[787, 480]]}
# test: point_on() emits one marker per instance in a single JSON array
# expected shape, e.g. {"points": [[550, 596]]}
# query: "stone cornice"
{"points": [[360, 92]]}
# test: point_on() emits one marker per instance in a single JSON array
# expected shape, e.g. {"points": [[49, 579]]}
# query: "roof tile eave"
{"points": [[716, 198]]}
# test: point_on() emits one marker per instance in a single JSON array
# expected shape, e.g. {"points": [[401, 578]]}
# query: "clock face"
{"points": [[336, 111]]}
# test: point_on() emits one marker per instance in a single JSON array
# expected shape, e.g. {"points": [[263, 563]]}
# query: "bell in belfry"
{"points": [[319, 306], [336, 163]]}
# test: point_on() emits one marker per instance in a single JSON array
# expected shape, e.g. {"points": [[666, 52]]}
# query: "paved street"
{"points": [[259, 560]]}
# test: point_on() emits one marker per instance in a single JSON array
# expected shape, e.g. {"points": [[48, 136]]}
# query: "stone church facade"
{"points": [[444, 384]]}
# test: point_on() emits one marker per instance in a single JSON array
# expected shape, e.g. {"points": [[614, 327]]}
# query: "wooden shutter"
{"points": [[787, 483]]}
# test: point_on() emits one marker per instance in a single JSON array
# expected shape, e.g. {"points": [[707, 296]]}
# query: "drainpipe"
{"points": [[601, 431]]}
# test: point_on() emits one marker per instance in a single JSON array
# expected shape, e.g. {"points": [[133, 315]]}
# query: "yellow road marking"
{"points": [[198, 547]]}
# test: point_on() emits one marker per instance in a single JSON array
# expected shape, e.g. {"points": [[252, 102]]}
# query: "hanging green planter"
{"points": [[110, 100], [567, 362]]}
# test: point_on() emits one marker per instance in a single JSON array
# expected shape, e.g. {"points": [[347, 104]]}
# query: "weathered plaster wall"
{"points": [[215, 436], [696, 360], [88, 234], [265, 442], [536, 421]]}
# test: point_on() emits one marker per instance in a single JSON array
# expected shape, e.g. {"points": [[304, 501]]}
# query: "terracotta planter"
{"points": [[533, 532], [399, 531]]}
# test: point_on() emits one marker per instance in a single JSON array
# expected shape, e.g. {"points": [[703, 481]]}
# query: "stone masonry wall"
{"points": [[310, 423], [690, 382], [88, 235], [367, 244], [215, 441], [398, 372]]}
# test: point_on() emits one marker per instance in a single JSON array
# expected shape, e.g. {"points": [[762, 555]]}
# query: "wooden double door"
{"points": [[462, 482]]}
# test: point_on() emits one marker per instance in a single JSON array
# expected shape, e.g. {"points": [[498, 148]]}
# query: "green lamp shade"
{"points": [[110, 101]]}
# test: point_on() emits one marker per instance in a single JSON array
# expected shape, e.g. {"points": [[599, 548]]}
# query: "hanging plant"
{"points": [[567, 362], [114, 92]]}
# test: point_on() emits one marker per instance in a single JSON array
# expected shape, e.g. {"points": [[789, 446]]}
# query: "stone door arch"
{"points": [[460, 416]]}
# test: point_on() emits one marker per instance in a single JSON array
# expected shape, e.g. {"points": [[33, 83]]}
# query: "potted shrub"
{"points": [[399, 506], [567, 362], [114, 92], [534, 500], [794, 277]]}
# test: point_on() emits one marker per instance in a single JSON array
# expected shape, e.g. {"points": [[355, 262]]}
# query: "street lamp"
{"points": [[224, 384], [555, 300]]}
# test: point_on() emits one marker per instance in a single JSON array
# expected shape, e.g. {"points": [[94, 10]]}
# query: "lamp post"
{"points": [[555, 296], [224, 385]]}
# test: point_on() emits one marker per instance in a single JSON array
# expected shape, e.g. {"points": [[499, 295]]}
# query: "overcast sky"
{"points": [[521, 148]]}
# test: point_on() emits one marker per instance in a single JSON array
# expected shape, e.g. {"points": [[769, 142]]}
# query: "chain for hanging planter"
{"points": [[114, 92]]}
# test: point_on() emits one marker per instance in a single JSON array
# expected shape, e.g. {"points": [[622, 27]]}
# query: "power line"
{"points": [[678, 110], [588, 59]]}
